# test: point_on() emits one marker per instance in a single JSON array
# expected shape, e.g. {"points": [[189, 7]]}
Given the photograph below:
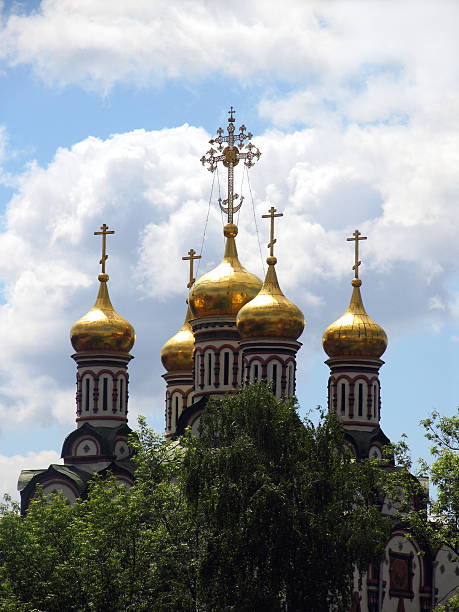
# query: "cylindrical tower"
{"points": [[177, 358], [269, 326], [355, 344], [102, 340], [215, 301]]}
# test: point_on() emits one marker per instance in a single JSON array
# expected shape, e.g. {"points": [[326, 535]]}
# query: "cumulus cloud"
{"points": [[361, 100], [99, 44], [151, 188], [10, 468]]}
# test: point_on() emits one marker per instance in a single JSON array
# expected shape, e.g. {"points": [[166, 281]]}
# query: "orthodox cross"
{"points": [[356, 237], [271, 216], [191, 258], [104, 234], [230, 156]]}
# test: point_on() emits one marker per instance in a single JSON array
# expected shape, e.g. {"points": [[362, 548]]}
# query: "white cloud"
{"points": [[393, 182], [99, 44], [10, 468]]}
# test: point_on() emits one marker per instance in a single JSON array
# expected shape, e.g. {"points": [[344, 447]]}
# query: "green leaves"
{"points": [[261, 511]]}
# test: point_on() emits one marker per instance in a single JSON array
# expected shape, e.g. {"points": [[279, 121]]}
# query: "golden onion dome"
{"points": [[355, 334], [270, 314], [102, 328], [227, 288], [177, 353]]}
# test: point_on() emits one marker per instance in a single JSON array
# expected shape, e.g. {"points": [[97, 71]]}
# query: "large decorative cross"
{"points": [[356, 237], [230, 156], [104, 234], [191, 258], [271, 216]]}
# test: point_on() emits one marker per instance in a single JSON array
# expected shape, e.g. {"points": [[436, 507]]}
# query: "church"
{"points": [[239, 329]]}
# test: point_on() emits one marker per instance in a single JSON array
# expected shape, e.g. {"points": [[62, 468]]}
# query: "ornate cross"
{"points": [[104, 234], [356, 237], [191, 258], [271, 216], [230, 156]]}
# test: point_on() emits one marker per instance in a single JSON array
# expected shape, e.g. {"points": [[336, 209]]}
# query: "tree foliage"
{"points": [[261, 512]]}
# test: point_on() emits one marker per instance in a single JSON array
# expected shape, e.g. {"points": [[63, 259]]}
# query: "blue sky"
{"points": [[105, 110]]}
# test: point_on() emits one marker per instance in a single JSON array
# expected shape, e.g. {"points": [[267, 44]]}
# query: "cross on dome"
{"points": [[230, 156], [271, 216], [104, 234], [191, 258], [356, 237]]}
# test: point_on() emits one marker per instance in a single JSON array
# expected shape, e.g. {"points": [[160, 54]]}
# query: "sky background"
{"points": [[105, 110]]}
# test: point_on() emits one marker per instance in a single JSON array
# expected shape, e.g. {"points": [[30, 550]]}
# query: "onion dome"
{"points": [[227, 288], [270, 314], [355, 334], [102, 328], [177, 353]]}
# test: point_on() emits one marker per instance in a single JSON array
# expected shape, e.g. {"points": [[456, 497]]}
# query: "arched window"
{"points": [[197, 368], [104, 393], [343, 398], [121, 395], [87, 391], [226, 359], [209, 368], [360, 399], [176, 409]]}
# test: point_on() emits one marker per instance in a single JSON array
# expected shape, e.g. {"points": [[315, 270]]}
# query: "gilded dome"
{"points": [[270, 314], [177, 353], [355, 334], [102, 328], [227, 288]]}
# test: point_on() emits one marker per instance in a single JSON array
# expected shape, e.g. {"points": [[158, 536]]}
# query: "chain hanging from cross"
{"points": [[230, 156], [191, 258], [272, 216], [356, 237], [104, 234]]}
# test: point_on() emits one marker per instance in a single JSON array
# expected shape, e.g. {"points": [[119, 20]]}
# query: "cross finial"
{"points": [[272, 216], [191, 258], [230, 155], [356, 237], [104, 234]]}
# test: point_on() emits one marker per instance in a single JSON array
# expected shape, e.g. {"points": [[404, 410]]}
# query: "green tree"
{"points": [[262, 512], [286, 510], [436, 519]]}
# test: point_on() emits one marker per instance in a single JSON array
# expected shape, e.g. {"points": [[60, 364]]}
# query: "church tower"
{"points": [[216, 297], [102, 340], [355, 344], [270, 326], [177, 359]]}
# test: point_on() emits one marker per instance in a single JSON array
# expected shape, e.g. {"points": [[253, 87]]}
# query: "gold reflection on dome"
{"points": [[177, 353], [227, 288], [270, 314], [355, 334], [102, 328]]}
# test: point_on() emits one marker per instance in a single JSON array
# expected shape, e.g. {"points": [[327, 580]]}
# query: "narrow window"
{"points": [[226, 368], [87, 395], [176, 410], [121, 394], [209, 369], [198, 368], [374, 401], [255, 372], [343, 398], [360, 399], [275, 379], [104, 397]]}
